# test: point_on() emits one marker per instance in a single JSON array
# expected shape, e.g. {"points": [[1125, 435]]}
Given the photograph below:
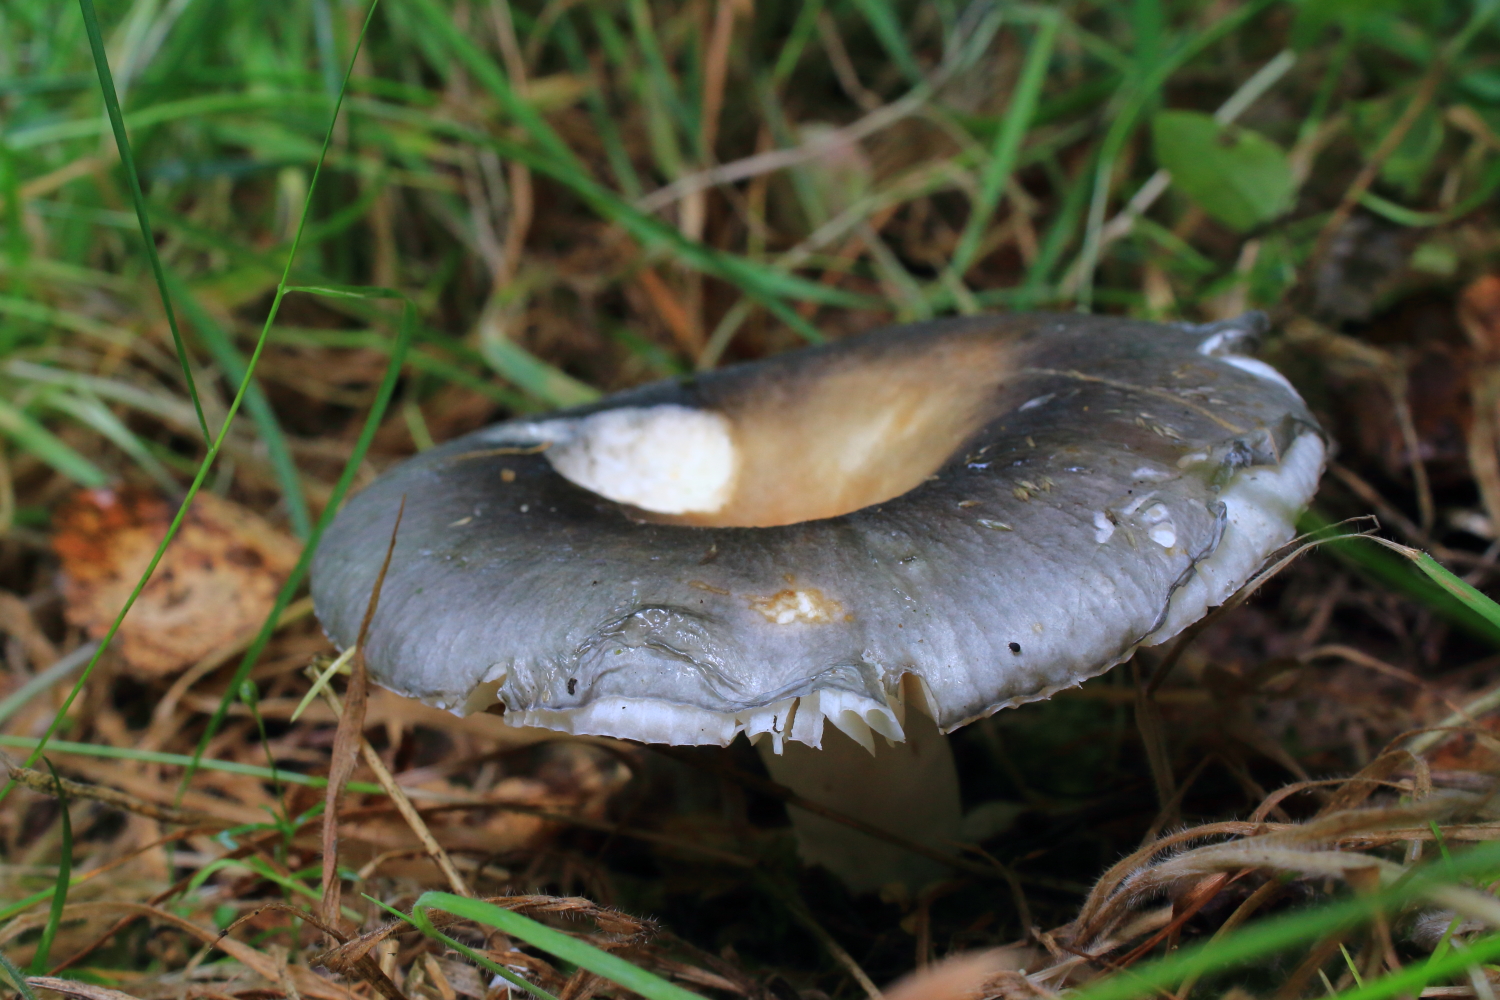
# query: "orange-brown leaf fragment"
{"points": [[1479, 312], [213, 588]]}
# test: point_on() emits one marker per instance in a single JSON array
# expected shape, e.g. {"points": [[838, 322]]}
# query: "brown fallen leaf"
{"points": [[1479, 312], [216, 583]]}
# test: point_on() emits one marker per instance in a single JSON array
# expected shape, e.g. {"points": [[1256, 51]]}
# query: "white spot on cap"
{"points": [[668, 459], [1164, 535], [1104, 528]]}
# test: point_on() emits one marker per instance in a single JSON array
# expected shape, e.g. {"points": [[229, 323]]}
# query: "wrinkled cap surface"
{"points": [[1103, 483]]}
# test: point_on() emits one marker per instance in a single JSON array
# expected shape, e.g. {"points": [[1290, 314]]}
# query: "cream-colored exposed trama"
{"points": [[803, 444], [665, 459]]}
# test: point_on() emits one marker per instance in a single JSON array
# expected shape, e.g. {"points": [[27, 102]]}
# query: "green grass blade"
{"points": [[1137, 100], [127, 160], [485, 70], [532, 375], [892, 37], [420, 921], [232, 364], [1007, 149], [1276, 933], [796, 41], [1060, 231], [567, 948], [90, 411], [609, 131], [18, 699], [657, 73], [1411, 980], [48, 447], [764, 284], [1466, 594], [208, 460], [1391, 571], [60, 891], [183, 760], [16, 247], [304, 562], [17, 977]]}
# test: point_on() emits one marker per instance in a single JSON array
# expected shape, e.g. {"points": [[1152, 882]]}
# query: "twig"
{"points": [[349, 737], [780, 159], [44, 783], [403, 805]]}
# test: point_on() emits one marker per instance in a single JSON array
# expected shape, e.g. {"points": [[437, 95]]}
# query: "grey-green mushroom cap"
{"points": [[973, 513]]}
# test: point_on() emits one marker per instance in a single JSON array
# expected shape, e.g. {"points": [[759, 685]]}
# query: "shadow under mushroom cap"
{"points": [[1114, 480]]}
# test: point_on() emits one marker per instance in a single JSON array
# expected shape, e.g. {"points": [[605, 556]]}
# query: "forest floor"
{"points": [[520, 207]]}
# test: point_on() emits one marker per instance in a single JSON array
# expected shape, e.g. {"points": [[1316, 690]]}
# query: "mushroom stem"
{"points": [[909, 788]]}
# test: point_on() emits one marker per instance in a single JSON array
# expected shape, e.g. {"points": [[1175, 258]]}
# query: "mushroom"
{"points": [[897, 534]]}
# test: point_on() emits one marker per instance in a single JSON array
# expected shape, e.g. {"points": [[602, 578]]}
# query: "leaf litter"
{"points": [[1326, 741]]}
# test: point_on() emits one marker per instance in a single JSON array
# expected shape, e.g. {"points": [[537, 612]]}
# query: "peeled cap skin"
{"points": [[1063, 490]]}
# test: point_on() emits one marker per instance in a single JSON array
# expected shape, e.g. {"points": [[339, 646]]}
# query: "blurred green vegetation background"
{"points": [[584, 194]]}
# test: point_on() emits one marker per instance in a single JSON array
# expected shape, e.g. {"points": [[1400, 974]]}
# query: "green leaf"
{"points": [[1239, 177]]}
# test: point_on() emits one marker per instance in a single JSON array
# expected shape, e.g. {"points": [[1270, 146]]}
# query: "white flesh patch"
{"points": [[1104, 528], [666, 459]]}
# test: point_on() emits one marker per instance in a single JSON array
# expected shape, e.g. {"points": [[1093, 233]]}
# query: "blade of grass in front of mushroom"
{"points": [[341, 488], [201, 477], [1414, 979]]}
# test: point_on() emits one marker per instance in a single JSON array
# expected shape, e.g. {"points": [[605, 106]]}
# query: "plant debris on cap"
{"points": [[1109, 481]]}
